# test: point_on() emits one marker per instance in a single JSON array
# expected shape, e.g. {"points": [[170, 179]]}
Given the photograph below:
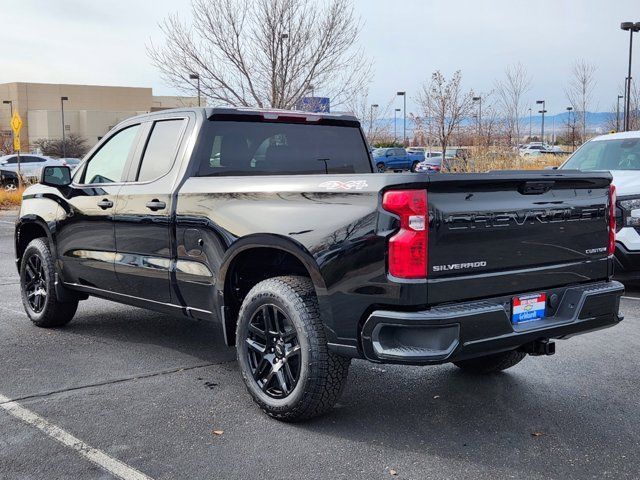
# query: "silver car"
{"points": [[30, 164]]}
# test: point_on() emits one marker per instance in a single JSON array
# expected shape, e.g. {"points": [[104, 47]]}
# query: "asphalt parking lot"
{"points": [[146, 392]]}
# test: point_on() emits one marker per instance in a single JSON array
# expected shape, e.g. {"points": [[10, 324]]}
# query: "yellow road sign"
{"points": [[16, 142], [16, 122]]}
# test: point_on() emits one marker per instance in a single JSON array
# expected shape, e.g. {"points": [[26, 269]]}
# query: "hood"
{"points": [[627, 182]]}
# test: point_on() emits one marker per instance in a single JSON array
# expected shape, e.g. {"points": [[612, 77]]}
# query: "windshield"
{"points": [[618, 154]]}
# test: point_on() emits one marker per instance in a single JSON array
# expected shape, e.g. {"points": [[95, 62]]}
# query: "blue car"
{"points": [[396, 159]]}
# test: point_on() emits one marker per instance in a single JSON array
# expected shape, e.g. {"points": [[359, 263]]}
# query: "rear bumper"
{"points": [[459, 331]]}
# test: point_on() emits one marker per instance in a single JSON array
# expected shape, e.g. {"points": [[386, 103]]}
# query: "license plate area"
{"points": [[528, 308]]}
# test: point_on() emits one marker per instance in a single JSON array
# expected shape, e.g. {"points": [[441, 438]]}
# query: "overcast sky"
{"points": [[103, 42]]}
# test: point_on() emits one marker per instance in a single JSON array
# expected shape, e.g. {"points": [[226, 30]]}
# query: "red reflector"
{"points": [[408, 248], [612, 219]]}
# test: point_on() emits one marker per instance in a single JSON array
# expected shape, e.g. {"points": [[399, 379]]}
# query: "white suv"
{"points": [[620, 154]]}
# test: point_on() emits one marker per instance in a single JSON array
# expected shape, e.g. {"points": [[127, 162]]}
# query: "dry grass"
{"points": [[483, 160], [10, 198]]}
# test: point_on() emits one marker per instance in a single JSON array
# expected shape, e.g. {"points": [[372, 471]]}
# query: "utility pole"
{"points": [[64, 141], [404, 119], [618, 113], [195, 76], [631, 27], [543, 111]]}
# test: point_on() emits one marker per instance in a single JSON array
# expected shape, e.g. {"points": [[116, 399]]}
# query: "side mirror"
{"points": [[55, 176]]}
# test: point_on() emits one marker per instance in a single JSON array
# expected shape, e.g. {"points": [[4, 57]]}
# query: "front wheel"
{"points": [[282, 351], [381, 168], [37, 287], [491, 363]]}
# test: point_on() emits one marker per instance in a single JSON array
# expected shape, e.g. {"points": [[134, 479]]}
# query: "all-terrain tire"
{"points": [[50, 312], [491, 363], [321, 373]]}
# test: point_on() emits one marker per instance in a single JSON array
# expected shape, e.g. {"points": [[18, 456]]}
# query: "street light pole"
{"points": [[395, 130], [570, 127], [631, 27], [375, 105], [618, 113], [529, 123], [195, 76], [543, 111], [479, 100], [404, 117], [64, 141]]}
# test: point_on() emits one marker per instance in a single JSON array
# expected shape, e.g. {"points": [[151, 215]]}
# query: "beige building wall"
{"points": [[90, 111]]}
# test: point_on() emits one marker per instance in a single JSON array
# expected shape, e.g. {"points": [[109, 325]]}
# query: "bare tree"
{"points": [[580, 91], [373, 117], [264, 53], [511, 91], [444, 105]]}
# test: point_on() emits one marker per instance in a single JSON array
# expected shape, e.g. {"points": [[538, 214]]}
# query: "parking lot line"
{"points": [[630, 298], [104, 461]]}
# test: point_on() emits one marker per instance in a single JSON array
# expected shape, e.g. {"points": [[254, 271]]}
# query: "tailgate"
{"points": [[502, 233]]}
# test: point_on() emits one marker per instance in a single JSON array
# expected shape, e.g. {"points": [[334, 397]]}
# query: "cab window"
{"points": [[107, 165]]}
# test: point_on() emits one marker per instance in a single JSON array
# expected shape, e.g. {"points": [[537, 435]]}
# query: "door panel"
{"points": [[86, 236], [143, 230]]}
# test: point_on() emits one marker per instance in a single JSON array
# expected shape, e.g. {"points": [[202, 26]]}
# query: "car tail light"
{"points": [[612, 219], [408, 248]]}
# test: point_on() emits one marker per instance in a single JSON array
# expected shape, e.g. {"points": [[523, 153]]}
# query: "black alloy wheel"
{"points": [[274, 351], [35, 283]]}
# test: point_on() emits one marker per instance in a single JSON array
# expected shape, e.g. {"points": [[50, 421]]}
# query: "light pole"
{"points": [[64, 141], [404, 117], [375, 105], [618, 113], [543, 111], [529, 123], [195, 76], [395, 131], [479, 100], [571, 127], [631, 27]]}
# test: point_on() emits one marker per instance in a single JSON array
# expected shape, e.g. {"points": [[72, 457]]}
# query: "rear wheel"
{"points": [[414, 165], [37, 287], [491, 363], [282, 351], [381, 168]]}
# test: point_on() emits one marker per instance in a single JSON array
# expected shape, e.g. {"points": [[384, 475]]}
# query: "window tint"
{"points": [[12, 160], [161, 149], [30, 159], [264, 148], [619, 154], [107, 165]]}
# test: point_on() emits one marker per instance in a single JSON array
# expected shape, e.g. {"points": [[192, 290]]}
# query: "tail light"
{"points": [[612, 220], [408, 248]]}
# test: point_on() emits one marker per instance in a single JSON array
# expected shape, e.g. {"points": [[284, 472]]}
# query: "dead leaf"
{"points": [[436, 396], [392, 472], [537, 434], [218, 432]]}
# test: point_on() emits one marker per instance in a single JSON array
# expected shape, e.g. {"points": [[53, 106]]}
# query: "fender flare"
{"points": [[278, 242], [31, 219]]}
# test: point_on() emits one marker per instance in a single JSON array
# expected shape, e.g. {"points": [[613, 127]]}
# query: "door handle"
{"points": [[105, 203], [156, 204]]}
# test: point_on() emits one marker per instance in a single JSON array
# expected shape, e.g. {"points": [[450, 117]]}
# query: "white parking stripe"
{"points": [[110, 464], [17, 312], [10, 223], [630, 298]]}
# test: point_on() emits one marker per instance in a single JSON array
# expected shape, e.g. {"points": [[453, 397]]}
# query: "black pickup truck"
{"points": [[274, 224]]}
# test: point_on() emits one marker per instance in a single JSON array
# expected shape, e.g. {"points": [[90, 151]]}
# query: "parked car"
{"points": [[72, 162], [8, 179], [396, 159], [307, 259], [30, 164], [431, 164], [618, 153]]}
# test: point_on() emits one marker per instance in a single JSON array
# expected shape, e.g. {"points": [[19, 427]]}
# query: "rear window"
{"points": [[264, 148], [620, 154]]}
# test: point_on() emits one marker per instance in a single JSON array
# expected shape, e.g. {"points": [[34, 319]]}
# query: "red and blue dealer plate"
{"points": [[528, 308]]}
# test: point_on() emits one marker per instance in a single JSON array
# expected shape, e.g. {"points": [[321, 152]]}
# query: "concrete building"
{"points": [[90, 110]]}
